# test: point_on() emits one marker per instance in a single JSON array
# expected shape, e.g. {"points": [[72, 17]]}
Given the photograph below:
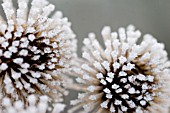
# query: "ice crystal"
{"points": [[36, 104], [127, 76], [34, 49]]}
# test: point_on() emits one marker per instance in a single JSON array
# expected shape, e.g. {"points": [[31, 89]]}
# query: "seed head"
{"points": [[34, 49], [126, 77]]}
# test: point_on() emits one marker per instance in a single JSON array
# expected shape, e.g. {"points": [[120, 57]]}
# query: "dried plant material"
{"points": [[36, 104], [125, 77], [34, 50]]}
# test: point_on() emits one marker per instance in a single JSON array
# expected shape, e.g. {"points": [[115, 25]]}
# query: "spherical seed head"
{"points": [[127, 76], [34, 49]]}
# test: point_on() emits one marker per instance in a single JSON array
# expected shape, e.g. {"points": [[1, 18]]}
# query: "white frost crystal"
{"points": [[36, 104], [34, 50], [124, 77]]}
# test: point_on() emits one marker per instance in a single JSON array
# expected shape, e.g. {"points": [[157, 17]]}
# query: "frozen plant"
{"points": [[36, 104], [127, 76], [34, 50]]}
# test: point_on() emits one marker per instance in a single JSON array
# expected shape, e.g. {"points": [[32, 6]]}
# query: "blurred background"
{"points": [[149, 16]]}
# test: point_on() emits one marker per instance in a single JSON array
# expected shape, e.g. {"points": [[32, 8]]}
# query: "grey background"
{"points": [[149, 16]]}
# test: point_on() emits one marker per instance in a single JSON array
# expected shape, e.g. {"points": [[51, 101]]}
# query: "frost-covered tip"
{"points": [[36, 104], [34, 49], [124, 77]]}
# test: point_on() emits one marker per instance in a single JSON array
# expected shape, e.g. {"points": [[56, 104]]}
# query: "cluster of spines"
{"points": [[34, 49], [123, 77]]}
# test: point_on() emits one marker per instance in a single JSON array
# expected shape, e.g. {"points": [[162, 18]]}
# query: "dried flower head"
{"points": [[125, 77], [34, 49], [36, 104]]}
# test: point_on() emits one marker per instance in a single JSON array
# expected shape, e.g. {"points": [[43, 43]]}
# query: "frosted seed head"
{"points": [[27, 49], [127, 71]]}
